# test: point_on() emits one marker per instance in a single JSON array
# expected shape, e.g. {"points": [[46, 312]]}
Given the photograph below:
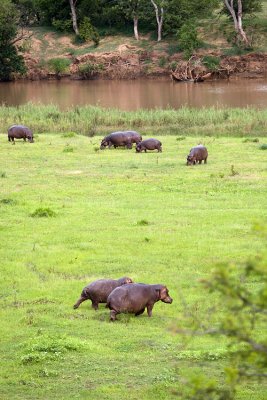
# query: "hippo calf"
{"points": [[20, 132], [197, 155], [98, 291], [121, 138], [149, 144], [135, 298]]}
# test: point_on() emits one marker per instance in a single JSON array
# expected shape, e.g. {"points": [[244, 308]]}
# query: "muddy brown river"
{"points": [[132, 95]]}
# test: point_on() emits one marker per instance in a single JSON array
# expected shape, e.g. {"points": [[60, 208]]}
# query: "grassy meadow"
{"points": [[116, 213]]}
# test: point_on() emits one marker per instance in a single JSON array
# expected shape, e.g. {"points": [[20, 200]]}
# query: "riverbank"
{"points": [[50, 55], [92, 120]]}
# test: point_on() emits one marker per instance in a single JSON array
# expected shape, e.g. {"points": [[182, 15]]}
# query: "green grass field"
{"points": [[118, 213]]}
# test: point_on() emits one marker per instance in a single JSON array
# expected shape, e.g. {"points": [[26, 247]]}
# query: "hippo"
{"points": [[98, 291], [135, 298], [20, 132], [197, 154], [121, 138], [149, 144]]}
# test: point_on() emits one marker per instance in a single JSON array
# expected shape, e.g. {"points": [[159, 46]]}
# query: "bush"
{"points": [[59, 65], [89, 69], [187, 37], [43, 213], [88, 31], [62, 25], [211, 62]]}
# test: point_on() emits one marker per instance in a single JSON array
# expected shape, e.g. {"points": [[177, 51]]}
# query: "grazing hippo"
{"points": [[20, 132], [197, 154], [98, 291], [135, 298], [121, 138], [149, 144]]}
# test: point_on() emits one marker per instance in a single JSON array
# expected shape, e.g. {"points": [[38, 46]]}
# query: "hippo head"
{"points": [[125, 280], [30, 139], [163, 294], [190, 160], [104, 144], [138, 148]]}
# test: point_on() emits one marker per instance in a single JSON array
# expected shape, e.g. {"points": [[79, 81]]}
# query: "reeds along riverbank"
{"points": [[92, 120]]}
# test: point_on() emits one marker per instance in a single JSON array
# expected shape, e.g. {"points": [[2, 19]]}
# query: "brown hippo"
{"points": [[98, 291], [121, 138], [197, 154], [20, 132], [135, 298], [149, 144]]}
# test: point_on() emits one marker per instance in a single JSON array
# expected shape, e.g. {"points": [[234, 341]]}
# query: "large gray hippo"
{"points": [[20, 132], [135, 298], [149, 144], [197, 155], [121, 138], [98, 291]]}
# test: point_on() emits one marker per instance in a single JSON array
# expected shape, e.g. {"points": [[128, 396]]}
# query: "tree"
{"points": [[10, 61], [134, 10], [159, 11], [74, 16], [237, 8]]}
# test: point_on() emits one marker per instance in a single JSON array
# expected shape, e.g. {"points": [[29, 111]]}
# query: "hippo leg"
{"points": [[145, 150], [200, 161], [24, 139], [129, 145], [81, 300], [113, 314], [9, 138], [95, 305], [140, 312], [205, 161], [149, 309]]}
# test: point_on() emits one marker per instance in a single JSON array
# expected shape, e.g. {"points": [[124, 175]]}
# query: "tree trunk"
{"points": [[159, 18], [136, 35], [74, 16], [237, 18]]}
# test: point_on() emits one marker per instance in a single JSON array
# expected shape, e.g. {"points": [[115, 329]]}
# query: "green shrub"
{"points": [[62, 25], [43, 213], [211, 62], [89, 69], [263, 146], [88, 31], [187, 37], [58, 65]]}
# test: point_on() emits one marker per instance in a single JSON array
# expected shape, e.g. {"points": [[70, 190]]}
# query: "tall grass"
{"points": [[91, 120]]}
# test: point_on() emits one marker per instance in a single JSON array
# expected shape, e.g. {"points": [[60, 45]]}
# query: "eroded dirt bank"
{"points": [[129, 62]]}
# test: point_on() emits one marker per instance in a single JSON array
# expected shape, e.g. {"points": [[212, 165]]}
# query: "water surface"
{"points": [[132, 95]]}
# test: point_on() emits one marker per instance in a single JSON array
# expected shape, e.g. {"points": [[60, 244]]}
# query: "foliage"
{"points": [[188, 39], [211, 62], [10, 61], [62, 25], [59, 65], [89, 69], [88, 32]]}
